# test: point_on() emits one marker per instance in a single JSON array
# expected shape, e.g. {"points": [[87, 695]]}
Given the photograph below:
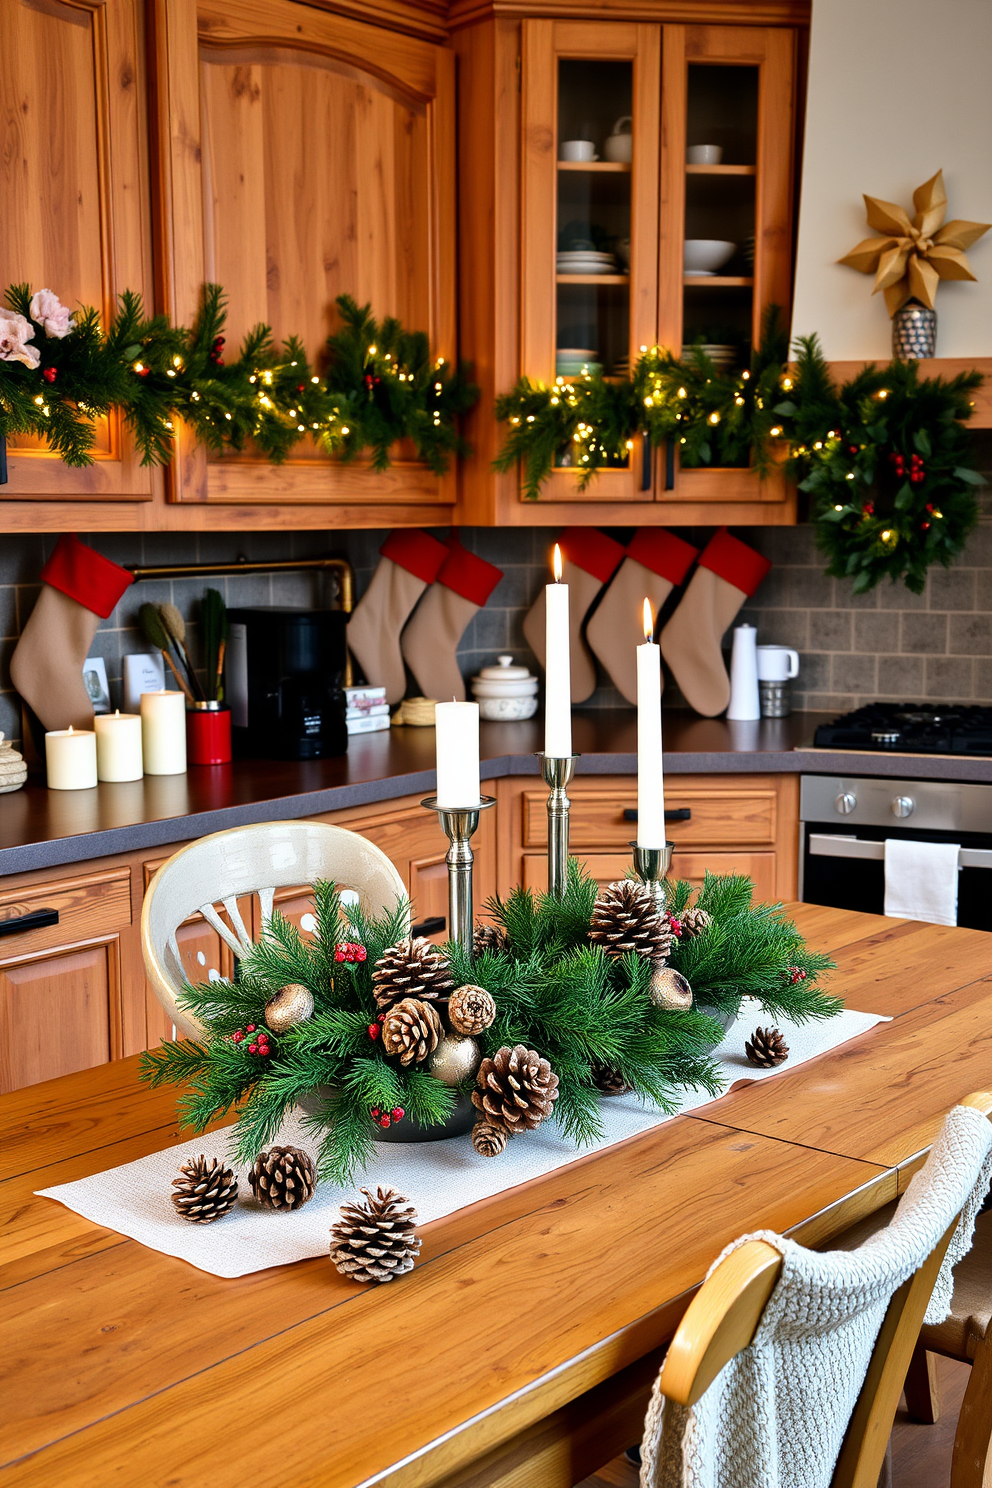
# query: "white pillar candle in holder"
{"points": [[118, 746], [457, 742], [163, 732], [70, 758]]}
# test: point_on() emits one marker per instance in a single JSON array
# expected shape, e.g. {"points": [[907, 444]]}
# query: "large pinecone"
{"points": [[205, 1191], [695, 921], [488, 938], [283, 1178], [625, 918], [414, 968], [517, 1089], [375, 1241], [609, 1081], [766, 1047], [471, 1010], [411, 1031]]}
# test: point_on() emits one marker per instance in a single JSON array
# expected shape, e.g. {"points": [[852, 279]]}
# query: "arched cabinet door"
{"points": [[301, 156], [74, 208]]}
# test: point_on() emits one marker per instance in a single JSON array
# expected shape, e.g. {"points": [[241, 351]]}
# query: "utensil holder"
{"points": [[208, 734]]}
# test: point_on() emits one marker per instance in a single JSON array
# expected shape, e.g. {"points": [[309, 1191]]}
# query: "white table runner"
{"points": [[438, 1177]]}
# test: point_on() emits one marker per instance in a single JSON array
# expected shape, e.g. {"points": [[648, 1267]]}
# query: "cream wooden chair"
{"points": [[225, 866], [723, 1317]]}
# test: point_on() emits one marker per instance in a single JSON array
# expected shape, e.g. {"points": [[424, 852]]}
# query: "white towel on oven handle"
{"points": [[921, 880]]}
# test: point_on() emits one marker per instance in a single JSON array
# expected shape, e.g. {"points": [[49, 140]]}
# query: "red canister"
{"points": [[208, 734]]}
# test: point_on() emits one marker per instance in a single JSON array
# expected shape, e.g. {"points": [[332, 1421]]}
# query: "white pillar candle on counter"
{"points": [[557, 669], [457, 741], [163, 732], [650, 770], [118, 746], [70, 758]]}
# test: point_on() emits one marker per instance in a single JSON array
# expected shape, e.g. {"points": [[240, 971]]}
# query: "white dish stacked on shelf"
{"points": [[572, 361], [703, 257], [585, 261], [722, 355]]}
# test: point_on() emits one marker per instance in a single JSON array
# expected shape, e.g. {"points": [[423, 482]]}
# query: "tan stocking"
{"points": [[656, 561], [410, 561], [430, 641], [589, 560]]}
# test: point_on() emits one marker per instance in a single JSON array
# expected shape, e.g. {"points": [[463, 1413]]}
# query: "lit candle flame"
{"points": [[556, 564], [648, 621], [117, 712], [70, 728]]}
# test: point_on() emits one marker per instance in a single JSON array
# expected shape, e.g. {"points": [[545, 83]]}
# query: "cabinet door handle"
{"points": [[432, 926], [679, 813], [35, 919]]}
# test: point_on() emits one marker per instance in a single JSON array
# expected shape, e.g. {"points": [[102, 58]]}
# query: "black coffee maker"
{"points": [[284, 669]]}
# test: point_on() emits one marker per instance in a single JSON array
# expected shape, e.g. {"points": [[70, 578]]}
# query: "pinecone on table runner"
{"points": [[411, 1031], [766, 1047], [414, 968], [375, 1241], [609, 1081], [626, 918], [695, 921], [489, 1140], [488, 938], [283, 1178], [517, 1089], [205, 1191], [471, 1010]]}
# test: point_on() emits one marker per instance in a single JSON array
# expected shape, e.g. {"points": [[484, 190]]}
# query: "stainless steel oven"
{"points": [[845, 821]]}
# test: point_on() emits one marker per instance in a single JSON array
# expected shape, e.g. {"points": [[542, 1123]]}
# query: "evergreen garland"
{"points": [[553, 991], [380, 386]]}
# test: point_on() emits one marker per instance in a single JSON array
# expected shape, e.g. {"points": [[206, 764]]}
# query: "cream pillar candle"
{"points": [[70, 757], [557, 669], [457, 742], [650, 770], [163, 732], [118, 746]]}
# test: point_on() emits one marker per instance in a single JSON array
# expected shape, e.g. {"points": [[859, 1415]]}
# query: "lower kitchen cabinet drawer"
{"points": [[608, 867], [745, 816], [87, 906], [60, 1011]]}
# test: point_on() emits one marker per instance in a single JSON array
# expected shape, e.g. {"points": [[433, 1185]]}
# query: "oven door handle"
{"points": [[835, 846]]}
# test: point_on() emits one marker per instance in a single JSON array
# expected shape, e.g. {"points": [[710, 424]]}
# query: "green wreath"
{"points": [[58, 375]]}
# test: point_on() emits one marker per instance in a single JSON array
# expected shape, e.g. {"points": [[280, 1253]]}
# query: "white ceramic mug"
{"points": [[576, 150], [619, 146], [777, 663], [704, 154]]}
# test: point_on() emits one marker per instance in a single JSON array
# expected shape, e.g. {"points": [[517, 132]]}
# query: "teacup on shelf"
{"points": [[577, 150], [704, 154]]}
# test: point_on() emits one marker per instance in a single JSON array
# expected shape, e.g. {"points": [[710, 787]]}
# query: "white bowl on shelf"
{"points": [[706, 255], [704, 154], [506, 693]]}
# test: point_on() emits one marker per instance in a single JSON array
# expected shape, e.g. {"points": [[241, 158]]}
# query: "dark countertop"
{"points": [[40, 828]]}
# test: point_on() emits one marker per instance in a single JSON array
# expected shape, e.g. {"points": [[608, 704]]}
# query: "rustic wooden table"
{"points": [[522, 1348]]}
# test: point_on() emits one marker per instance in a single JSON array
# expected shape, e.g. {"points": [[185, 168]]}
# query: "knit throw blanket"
{"points": [[776, 1416]]}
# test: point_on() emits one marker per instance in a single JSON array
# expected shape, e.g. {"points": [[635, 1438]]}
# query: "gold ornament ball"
{"points": [[291, 1005], [670, 990], [455, 1059]]}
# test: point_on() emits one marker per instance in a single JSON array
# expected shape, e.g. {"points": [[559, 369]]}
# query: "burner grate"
{"points": [[911, 728]]}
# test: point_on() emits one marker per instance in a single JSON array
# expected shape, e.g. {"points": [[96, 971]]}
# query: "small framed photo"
{"points": [[95, 682]]}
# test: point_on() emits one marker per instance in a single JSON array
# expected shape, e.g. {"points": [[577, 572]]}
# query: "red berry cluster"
{"points": [[217, 351], [49, 374], [675, 926], [259, 1039], [868, 509], [917, 470], [796, 974], [384, 1118], [376, 1028], [350, 950]]}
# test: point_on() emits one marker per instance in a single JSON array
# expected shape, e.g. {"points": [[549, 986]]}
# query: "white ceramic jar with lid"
{"points": [[505, 693]]}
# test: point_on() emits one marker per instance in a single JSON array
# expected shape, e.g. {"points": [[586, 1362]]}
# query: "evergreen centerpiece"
{"points": [[565, 1001]]}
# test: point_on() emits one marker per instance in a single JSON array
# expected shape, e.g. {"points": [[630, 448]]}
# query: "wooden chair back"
{"points": [[226, 866], [723, 1317]]}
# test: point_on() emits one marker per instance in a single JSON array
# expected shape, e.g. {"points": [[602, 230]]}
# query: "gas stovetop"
{"points": [[910, 728]]}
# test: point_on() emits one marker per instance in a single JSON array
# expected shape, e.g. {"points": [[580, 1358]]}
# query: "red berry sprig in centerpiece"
{"points": [[350, 950], [259, 1039], [796, 974], [385, 1119]]}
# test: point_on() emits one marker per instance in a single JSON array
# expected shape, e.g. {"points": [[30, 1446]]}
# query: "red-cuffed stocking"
{"points": [[727, 574], [589, 560], [410, 561], [79, 589], [656, 561], [430, 641]]}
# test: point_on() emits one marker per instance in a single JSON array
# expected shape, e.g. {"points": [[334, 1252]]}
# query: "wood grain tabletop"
{"points": [[533, 1321]]}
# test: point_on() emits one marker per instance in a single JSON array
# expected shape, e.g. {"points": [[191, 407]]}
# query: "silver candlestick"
{"points": [[557, 771], [651, 864], [459, 826]]}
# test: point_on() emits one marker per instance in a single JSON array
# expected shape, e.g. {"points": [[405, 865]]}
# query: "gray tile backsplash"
{"points": [[853, 649]]}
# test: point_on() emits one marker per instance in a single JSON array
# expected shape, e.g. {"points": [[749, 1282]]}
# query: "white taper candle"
{"points": [[650, 770], [558, 674]]}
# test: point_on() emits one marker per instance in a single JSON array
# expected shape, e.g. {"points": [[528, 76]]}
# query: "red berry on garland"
{"points": [[796, 974], [216, 351], [301, 387], [382, 1017], [141, 369], [49, 374], [929, 506], [374, 1030], [384, 1122], [675, 926], [868, 508], [238, 1037], [397, 1113], [361, 954], [375, 1113], [250, 1028], [252, 1048], [924, 526]]}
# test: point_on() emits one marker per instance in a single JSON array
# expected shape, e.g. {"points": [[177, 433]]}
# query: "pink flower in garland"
{"points": [[50, 313], [15, 333]]}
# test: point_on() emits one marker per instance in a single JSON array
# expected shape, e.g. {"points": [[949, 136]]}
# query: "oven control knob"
{"points": [[903, 806], [846, 802]]}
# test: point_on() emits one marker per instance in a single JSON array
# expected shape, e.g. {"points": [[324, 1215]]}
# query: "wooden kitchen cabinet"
{"points": [[527, 85]]}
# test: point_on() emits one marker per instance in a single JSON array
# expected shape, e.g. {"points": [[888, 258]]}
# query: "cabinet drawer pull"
{"points": [[36, 919], [679, 813], [432, 926]]}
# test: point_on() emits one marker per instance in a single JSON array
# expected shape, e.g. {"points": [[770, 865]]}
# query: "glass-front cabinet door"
{"points": [[657, 208]]}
